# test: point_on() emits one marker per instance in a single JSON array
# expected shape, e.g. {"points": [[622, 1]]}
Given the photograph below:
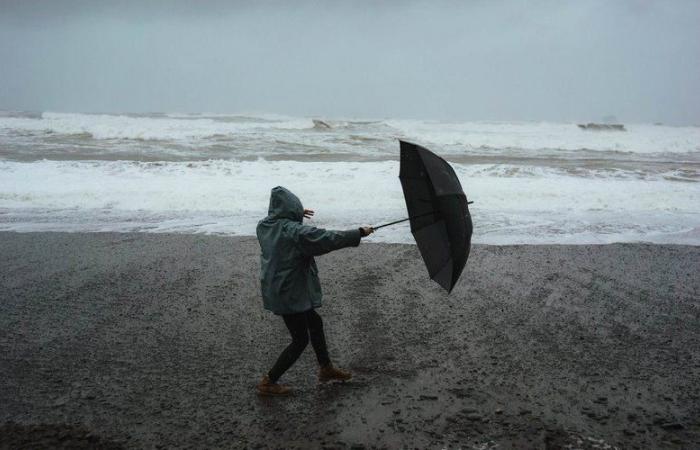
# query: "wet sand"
{"points": [[141, 341]]}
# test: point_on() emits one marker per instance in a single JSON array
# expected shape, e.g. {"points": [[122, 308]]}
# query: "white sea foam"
{"points": [[513, 204], [107, 126], [289, 134], [639, 138], [198, 173]]}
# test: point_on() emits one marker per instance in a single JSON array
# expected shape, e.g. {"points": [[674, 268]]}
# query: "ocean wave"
{"points": [[21, 114], [535, 136], [511, 203], [150, 127], [362, 137]]}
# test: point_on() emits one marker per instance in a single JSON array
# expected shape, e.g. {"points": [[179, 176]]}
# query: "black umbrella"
{"points": [[438, 211]]}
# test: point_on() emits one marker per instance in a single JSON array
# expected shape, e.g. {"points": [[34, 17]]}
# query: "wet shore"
{"points": [[147, 340]]}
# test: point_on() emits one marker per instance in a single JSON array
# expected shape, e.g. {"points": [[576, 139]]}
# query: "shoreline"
{"points": [[665, 241], [142, 339]]}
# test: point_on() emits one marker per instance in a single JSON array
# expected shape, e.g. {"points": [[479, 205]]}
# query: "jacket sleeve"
{"points": [[314, 241]]}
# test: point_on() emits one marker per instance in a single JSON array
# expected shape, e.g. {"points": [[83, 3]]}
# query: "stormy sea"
{"points": [[531, 182]]}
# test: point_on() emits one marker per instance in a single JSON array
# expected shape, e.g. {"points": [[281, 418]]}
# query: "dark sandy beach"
{"points": [[147, 341]]}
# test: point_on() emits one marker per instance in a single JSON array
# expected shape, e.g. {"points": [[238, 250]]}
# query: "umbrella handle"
{"points": [[398, 221], [408, 218]]}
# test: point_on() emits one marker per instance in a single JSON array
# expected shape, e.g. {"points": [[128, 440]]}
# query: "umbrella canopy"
{"points": [[438, 211]]}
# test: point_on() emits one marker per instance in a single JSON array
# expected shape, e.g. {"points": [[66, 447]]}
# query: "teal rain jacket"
{"points": [[288, 272]]}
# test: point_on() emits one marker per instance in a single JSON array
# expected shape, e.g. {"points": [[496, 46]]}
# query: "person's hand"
{"points": [[366, 231], [308, 213]]}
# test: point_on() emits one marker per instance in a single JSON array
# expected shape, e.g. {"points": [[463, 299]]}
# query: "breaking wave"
{"points": [[512, 204], [212, 173], [152, 127], [361, 136]]}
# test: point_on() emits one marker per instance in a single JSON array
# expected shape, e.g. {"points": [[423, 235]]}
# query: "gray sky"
{"points": [[478, 60]]}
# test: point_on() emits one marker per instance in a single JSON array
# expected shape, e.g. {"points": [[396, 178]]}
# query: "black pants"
{"points": [[301, 326]]}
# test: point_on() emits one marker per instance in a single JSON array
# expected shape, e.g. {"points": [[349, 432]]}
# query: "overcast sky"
{"points": [[479, 60]]}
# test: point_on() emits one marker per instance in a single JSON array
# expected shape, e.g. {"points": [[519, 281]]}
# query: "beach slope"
{"points": [[138, 340]]}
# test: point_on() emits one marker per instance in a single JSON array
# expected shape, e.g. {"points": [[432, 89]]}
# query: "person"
{"points": [[290, 284]]}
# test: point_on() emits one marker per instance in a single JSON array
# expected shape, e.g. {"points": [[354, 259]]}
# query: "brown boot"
{"points": [[266, 387], [328, 373]]}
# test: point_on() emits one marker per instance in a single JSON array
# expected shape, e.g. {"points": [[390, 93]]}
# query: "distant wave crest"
{"points": [[146, 127], [261, 131]]}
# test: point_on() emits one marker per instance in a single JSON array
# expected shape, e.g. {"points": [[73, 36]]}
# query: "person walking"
{"points": [[290, 284]]}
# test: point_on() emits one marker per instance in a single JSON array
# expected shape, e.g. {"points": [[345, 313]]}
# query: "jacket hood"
{"points": [[285, 205]]}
